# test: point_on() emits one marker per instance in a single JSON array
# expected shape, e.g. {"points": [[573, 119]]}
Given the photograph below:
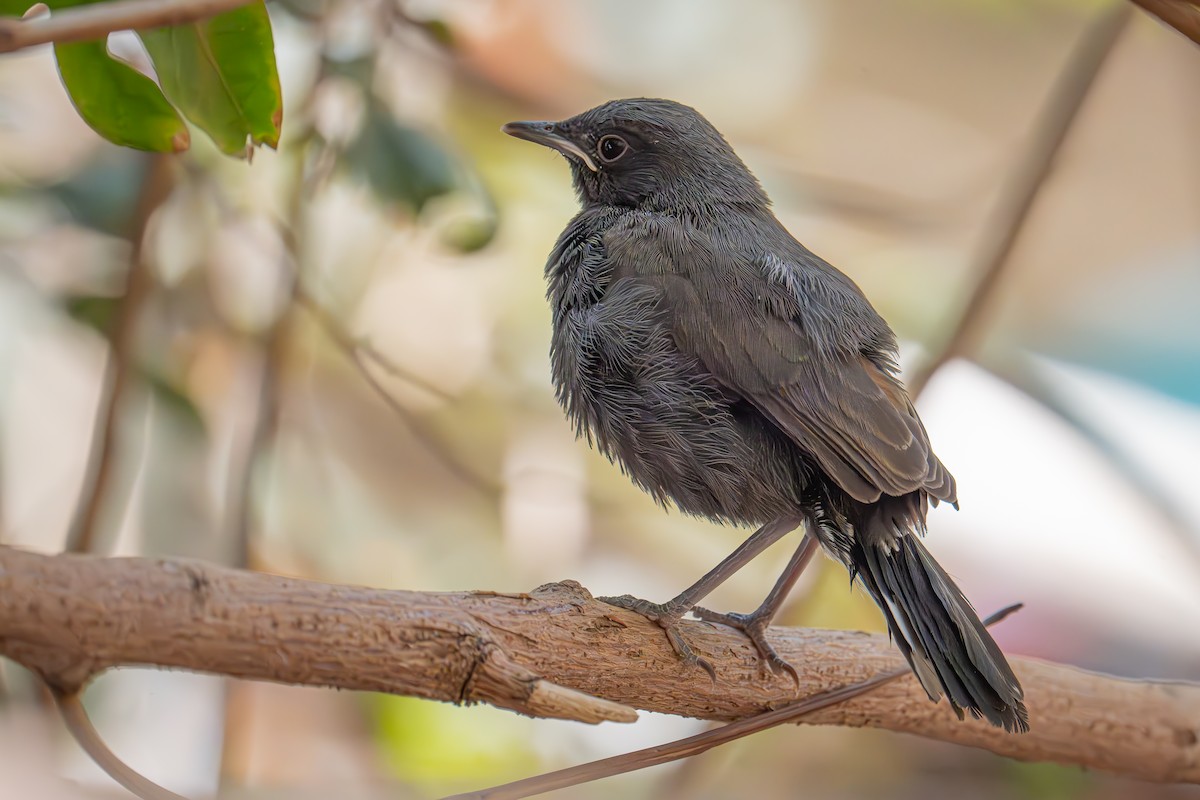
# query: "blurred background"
{"points": [[332, 362]]}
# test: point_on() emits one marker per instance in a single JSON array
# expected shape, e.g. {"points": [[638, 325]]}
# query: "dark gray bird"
{"points": [[730, 371]]}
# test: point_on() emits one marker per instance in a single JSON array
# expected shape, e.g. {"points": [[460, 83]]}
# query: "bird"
{"points": [[732, 373]]}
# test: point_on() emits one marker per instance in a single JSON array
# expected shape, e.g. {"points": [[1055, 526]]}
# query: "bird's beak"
{"points": [[547, 133]]}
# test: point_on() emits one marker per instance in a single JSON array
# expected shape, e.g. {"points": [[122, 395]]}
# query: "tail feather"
{"points": [[937, 630]]}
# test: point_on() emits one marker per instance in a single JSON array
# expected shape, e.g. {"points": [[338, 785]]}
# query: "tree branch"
{"points": [[1182, 15], [70, 617], [693, 745], [1015, 204], [97, 21]]}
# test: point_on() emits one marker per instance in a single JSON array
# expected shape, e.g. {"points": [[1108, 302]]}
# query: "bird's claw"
{"points": [[666, 617], [755, 629], [655, 612]]}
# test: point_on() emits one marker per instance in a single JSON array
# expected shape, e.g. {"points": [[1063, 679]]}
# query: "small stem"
{"points": [[98, 474]]}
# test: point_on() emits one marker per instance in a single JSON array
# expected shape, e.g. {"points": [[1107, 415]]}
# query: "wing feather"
{"points": [[800, 342]]}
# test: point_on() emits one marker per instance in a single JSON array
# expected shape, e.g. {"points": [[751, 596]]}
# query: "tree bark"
{"points": [[1182, 15], [69, 617]]}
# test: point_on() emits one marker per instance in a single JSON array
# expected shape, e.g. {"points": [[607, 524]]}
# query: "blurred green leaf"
{"points": [[400, 164], [117, 101], [468, 234], [440, 747], [1050, 781], [95, 311], [173, 400], [439, 31], [103, 194], [221, 74]]}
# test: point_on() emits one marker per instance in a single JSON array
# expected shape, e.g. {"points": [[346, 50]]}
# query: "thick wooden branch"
{"points": [[68, 618]]}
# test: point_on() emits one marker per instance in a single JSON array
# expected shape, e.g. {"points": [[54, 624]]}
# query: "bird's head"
{"points": [[646, 153]]}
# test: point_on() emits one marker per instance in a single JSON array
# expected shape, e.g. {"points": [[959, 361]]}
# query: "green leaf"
{"points": [[470, 233], [173, 400], [400, 164], [117, 101], [221, 74], [94, 311], [439, 31]]}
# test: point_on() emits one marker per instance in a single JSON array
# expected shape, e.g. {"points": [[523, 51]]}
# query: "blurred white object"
{"points": [[1044, 520]]}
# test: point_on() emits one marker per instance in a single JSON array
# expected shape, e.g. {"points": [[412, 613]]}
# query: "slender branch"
{"points": [[1012, 211], [69, 617], [1182, 15], [97, 478], [263, 429], [349, 345], [97, 21], [273, 351], [359, 354], [682, 748], [76, 719]]}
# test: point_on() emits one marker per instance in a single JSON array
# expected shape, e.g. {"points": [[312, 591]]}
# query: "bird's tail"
{"points": [[931, 621]]}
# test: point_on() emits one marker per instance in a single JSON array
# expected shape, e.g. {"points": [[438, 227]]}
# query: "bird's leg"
{"points": [[755, 624], [667, 614]]}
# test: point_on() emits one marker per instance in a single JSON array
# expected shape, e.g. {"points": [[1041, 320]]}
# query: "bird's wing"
{"points": [[798, 340]]}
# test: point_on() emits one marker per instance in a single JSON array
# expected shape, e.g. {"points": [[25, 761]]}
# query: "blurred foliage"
{"points": [[1051, 781], [401, 164], [409, 169], [219, 72], [443, 749], [98, 313], [174, 400], [102, 195], [93, 311]]}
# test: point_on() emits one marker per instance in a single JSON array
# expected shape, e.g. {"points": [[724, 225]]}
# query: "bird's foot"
{"points": [[666, 616], [755, 627]]}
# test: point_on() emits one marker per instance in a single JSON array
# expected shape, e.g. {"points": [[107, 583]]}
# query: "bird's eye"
{"points": [[611, 148]]}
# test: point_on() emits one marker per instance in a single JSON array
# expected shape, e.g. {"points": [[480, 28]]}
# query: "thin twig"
{"points": [[1012, 211], [273, 349], [75, 717], [481, 483], [694, 745], [156, 185], [348, 343], [263, 429], [97, 21], [681, 748], [1182, 15]]}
